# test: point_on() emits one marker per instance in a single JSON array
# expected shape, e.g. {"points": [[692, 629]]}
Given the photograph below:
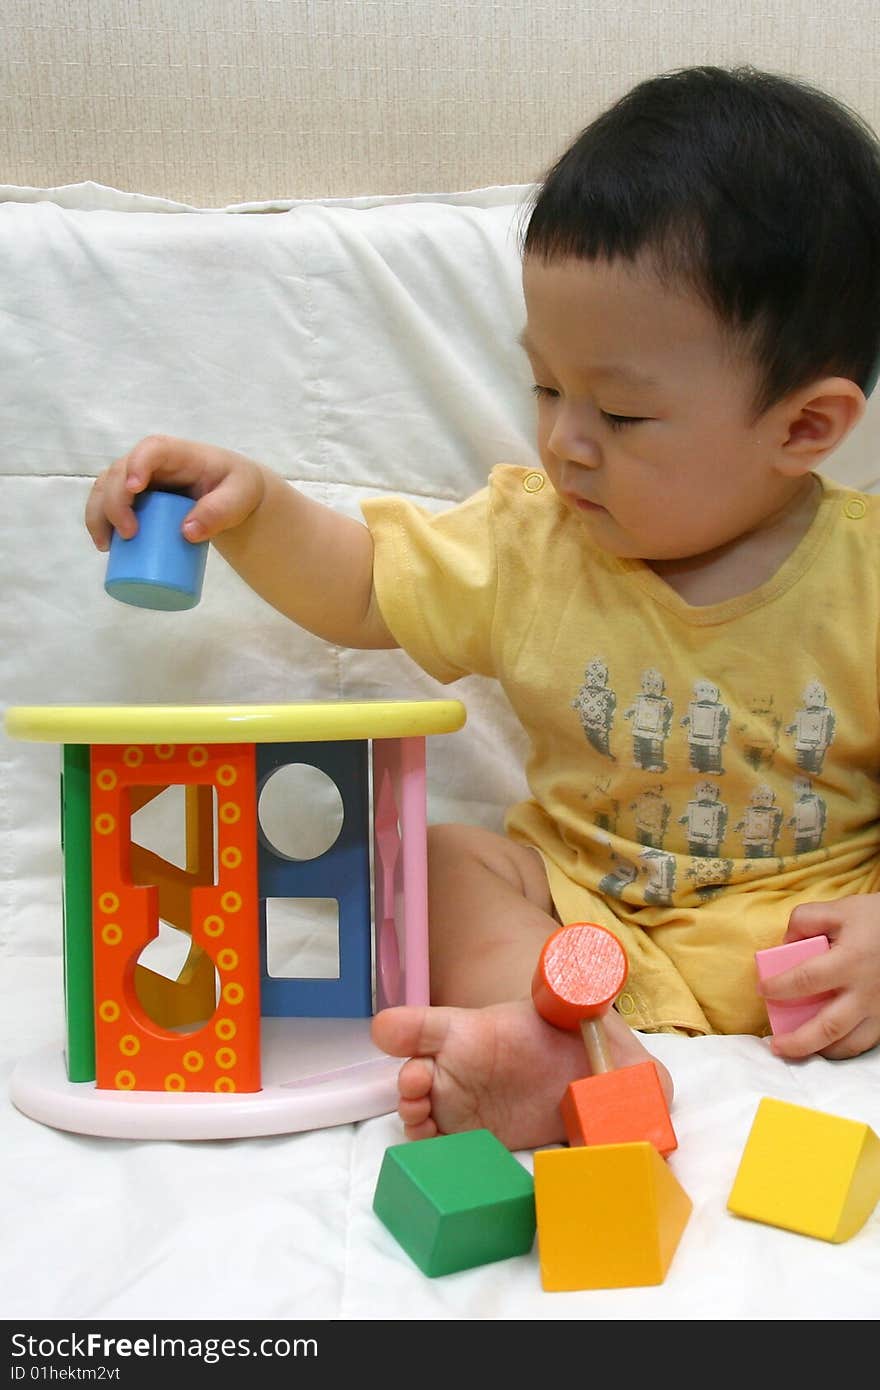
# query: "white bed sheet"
{"points": [[283, 1227], [357, 348]]}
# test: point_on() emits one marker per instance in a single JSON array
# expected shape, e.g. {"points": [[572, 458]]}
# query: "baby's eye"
{"points": [[544, 392], [619, 422]]}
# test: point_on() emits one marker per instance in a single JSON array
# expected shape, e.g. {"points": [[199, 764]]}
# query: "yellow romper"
{"points": [[696, 772]]}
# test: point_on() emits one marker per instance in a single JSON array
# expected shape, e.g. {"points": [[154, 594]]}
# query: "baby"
{"points": [[676, 586]]}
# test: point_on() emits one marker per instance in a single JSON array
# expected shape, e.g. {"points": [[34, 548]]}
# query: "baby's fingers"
{"points": [[816, 976], [226, 487], [839, 1031], [108, 506], [234, 493]]}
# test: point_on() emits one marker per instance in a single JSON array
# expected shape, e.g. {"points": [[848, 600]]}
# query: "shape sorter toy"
{"points": [[227, 1048]]}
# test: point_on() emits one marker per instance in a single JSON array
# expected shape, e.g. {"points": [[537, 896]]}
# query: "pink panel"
{"points": [[400, 871], [386, 856]]}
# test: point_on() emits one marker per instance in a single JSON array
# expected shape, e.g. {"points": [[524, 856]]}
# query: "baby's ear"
{"points": [[817, 419]]}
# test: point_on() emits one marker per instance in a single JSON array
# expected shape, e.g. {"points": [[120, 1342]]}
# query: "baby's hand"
{"points": [[227, 487], [848, 1023]]}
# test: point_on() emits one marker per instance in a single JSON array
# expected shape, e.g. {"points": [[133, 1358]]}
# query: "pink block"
{"points": [[787, 1014]]}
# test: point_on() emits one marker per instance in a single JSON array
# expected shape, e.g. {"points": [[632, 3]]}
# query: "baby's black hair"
{"points": [[758, 191]]}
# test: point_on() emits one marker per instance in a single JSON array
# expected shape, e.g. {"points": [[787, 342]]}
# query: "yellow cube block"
{"points": [[609, 1216], [807, 1171]]}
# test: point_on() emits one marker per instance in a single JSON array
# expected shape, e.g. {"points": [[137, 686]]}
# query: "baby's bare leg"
{"points": [[482, 1057], [490, 912]]}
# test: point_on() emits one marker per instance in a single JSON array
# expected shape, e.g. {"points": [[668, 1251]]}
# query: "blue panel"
{"points": [[342, 873]]}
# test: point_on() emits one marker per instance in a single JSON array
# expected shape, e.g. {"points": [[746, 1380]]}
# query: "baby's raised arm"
{"points": [[312, 564]]}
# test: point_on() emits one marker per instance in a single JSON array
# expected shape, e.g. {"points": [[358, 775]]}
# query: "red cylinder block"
{"points": [[581, 970]]}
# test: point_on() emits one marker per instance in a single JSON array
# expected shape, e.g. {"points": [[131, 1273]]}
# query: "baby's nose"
{"points": [[573, 443]]}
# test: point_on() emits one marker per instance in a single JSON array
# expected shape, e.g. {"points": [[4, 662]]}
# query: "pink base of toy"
{"points": [[316, 1072]]}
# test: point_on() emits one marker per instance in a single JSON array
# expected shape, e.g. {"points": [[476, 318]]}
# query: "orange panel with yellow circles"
{"points": [[135, 1050]]}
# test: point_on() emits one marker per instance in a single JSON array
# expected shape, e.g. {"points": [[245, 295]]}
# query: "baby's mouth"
{"points": [[583, 504]]}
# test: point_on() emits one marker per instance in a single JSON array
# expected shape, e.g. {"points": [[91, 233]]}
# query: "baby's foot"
{"points": [[500, 1068]]}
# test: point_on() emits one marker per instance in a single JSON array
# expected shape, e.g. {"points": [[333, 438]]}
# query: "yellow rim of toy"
{"points": [[302, 720]]}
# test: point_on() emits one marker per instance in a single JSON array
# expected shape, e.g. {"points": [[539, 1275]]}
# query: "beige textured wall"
{"points": [[212, 102]]}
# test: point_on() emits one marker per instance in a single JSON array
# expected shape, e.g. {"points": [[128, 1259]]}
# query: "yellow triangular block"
{"points": [[807, 1171], [609, 1216]]}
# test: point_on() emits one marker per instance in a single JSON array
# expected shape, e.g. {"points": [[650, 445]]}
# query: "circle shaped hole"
{"points": [[300, 811]]}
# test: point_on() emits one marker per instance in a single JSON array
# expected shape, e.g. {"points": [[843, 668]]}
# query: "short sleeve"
{"points": [[435, 576]]}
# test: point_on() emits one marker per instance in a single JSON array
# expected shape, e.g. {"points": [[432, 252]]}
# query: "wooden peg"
{"points": [[581, 970]]}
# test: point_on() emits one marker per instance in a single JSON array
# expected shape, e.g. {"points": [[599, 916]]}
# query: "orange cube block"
{"points": [[624, 1106]]}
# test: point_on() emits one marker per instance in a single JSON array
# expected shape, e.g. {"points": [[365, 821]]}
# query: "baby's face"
{"points": [[644, 424]]}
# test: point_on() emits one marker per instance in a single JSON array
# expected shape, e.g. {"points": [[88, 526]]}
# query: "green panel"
{"points": [[456, 1201], [76, 844]]}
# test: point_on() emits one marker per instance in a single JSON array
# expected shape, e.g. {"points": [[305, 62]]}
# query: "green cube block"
{"points": [[456, 1201]]}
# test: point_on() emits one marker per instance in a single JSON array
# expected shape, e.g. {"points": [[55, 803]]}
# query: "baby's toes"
{"points": [[426, 1130], [415, 1079], [415, 1113]]}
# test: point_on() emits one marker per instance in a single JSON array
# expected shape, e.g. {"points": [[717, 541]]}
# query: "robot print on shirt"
{"points": [[759, 731], [595, 703], [706, 721], [813, 728], [706, 820], [710, 876], [761, 824], [623, 872], [659, 869], [808, 817], [603, 808], [651, 715], [651, 816]]}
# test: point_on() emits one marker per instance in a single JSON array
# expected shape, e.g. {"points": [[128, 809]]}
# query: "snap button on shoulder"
{"points": [[533, 482], [855, 508], [625, 1003]]}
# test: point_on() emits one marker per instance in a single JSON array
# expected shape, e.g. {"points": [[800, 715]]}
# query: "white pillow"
{"points": [[355, 346]]}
